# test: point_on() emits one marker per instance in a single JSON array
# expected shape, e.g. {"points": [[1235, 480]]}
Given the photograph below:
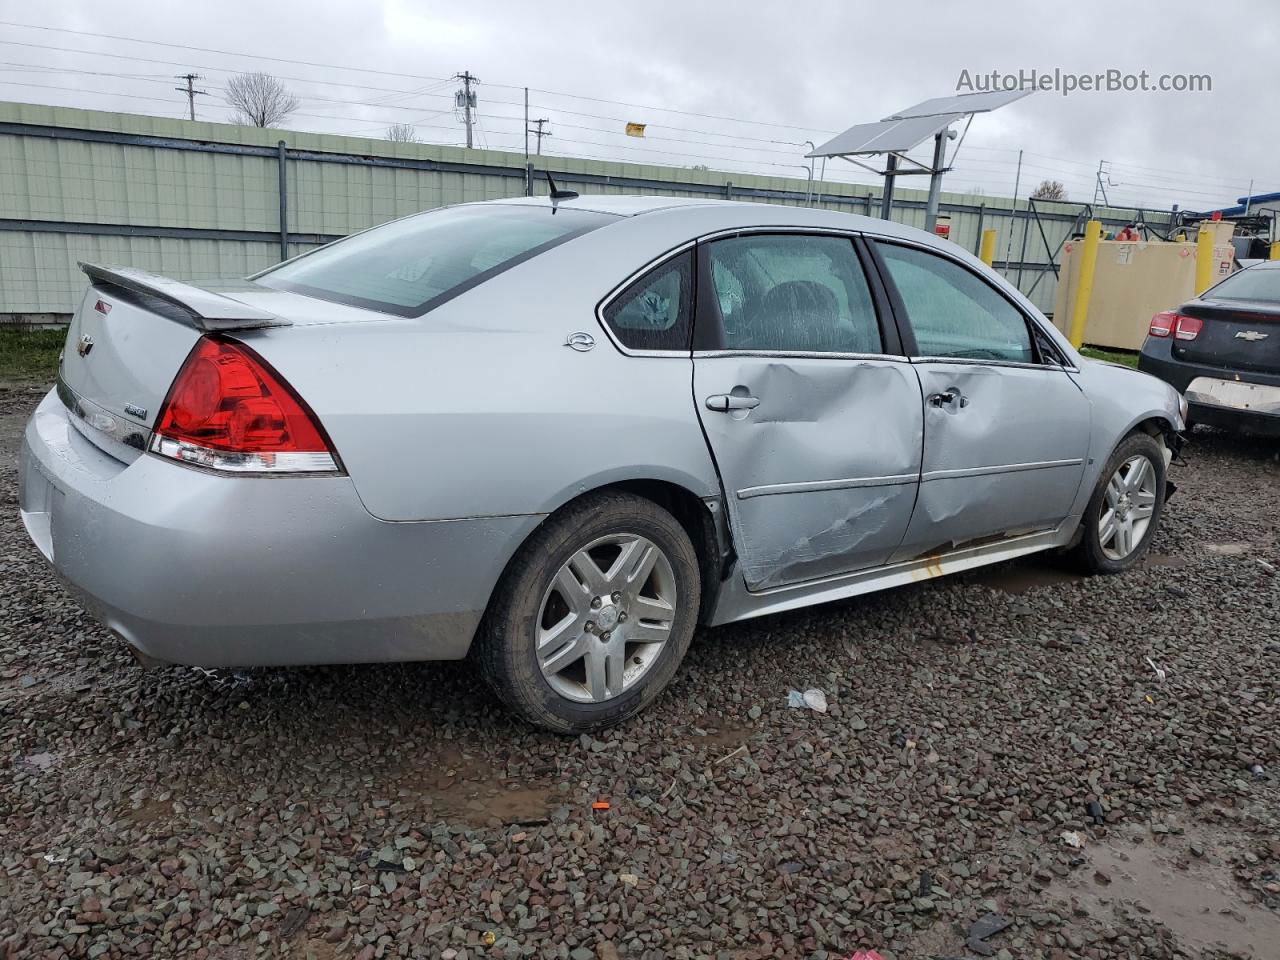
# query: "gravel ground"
{"points": [[396, 811]]}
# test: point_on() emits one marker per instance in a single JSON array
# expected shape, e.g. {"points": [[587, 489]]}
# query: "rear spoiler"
{"points": [[203, 309]]}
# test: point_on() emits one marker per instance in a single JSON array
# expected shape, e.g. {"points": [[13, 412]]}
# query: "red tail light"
{"points": [[1162, 324], [1169, 323], [228, 410]]}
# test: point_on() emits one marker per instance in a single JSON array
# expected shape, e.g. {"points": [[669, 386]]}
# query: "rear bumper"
{"points": [[191, 567], [1245, 400]]}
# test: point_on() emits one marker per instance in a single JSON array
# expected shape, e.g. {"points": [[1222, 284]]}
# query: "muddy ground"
{"points": [[997, 743]]}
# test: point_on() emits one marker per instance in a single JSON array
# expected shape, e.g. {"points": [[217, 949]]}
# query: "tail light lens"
{"points": [[228, 410], [1162, 324], [1168, 323]]}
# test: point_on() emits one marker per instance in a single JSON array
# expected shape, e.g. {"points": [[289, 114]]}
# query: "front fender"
{"points": [[1122, 399]]}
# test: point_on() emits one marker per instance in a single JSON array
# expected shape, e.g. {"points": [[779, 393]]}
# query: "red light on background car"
{"points": [[1168, 323], [1162, 323], [227, 409]]}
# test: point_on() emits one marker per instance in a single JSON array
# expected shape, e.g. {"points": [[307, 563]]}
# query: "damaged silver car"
{"points": [[556, 436]]}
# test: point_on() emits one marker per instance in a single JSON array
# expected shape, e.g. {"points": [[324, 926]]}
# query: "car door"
{"points": [[1006, 430], [813, 415]]}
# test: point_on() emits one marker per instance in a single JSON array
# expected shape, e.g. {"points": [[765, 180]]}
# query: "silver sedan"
{"points": [[557, 436]]}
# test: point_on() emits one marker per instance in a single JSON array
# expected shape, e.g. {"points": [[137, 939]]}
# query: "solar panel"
{"points": [[887, 136], [962, 103]]}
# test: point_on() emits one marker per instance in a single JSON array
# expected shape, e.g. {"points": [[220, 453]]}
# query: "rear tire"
{"points": [[1125, 509], [593, 615]]}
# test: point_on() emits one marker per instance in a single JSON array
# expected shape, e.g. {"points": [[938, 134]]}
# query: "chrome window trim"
{"points": [[968, 361], [618, 290], [799, 355], [817, 486], [1000, 468]]}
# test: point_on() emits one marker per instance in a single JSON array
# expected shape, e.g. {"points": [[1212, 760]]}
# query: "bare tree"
{"points": [[1049, 190], [401, 133], [259, 99]]}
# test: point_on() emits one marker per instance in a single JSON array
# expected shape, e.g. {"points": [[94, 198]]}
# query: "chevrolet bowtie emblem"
{"points": [[1251, 335]]}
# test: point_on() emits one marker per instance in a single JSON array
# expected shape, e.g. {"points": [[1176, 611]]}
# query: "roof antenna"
{"points": [[556, 194]]}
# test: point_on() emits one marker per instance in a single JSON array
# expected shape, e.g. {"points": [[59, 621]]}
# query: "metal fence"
{"points": [[204, 202]]}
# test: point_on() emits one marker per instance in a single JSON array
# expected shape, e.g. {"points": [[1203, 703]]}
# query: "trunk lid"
{"points": [[1237, 335], [126, 344]]}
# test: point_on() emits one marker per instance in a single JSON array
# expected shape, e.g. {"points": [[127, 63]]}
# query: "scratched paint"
{"points": [[860, 535]]}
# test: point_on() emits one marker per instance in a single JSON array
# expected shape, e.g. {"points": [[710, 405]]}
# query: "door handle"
{"points": [[951, 396], [724, 402]]}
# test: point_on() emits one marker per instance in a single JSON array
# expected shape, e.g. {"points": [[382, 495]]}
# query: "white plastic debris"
{"points": [[1072, 839], [814, 699], [1268, 567], [1160, 674]]}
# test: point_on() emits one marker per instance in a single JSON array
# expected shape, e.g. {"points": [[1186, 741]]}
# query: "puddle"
{"points": [[726, 737], [1230, 549], [465, 788], [41, 762], [1195, 899], [1020, 576]]}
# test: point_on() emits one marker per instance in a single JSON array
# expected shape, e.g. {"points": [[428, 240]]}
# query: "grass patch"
{"points": [[29, 354], [1126, 358]]}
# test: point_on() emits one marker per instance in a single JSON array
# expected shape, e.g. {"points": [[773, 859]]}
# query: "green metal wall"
{"points": [[65, 199]]}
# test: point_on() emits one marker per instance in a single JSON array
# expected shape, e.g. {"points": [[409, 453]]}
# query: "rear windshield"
{"points": [[410, 266], [1252, 284]]}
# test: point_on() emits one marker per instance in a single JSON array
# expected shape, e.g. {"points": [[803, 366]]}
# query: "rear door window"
{"points": [[409, 266], [793, 293]]}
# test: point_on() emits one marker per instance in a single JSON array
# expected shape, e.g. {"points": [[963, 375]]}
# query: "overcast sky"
{"points": [[784, 73]]}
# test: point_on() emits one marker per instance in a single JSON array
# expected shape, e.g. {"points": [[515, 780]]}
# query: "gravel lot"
{"points": [[395, 811]]}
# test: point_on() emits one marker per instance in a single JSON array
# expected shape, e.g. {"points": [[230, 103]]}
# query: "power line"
{"points": [[396, 93], [391, 73], [436, 82]]}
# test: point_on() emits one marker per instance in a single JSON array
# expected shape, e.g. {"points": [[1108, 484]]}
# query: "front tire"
{"points": [[1125, 508], [593, 615]]}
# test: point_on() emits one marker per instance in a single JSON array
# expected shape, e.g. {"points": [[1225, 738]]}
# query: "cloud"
{"points": [[798, 71]]}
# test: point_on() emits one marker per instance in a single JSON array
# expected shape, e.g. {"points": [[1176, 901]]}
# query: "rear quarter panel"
{"points": [[479, 408]]}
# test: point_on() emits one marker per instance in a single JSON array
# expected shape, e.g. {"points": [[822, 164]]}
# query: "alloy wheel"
{"points": [[605, 618], [1128, 508]]}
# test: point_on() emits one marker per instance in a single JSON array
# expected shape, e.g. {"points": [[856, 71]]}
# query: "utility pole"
{"points": [[465, 98], [1103, 180], [191, 91], [539, 132], [528, 176], [1013, 215]]}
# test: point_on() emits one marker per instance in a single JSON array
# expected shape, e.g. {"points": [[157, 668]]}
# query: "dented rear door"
{"points": [[1006, 431], [815, 425]]}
